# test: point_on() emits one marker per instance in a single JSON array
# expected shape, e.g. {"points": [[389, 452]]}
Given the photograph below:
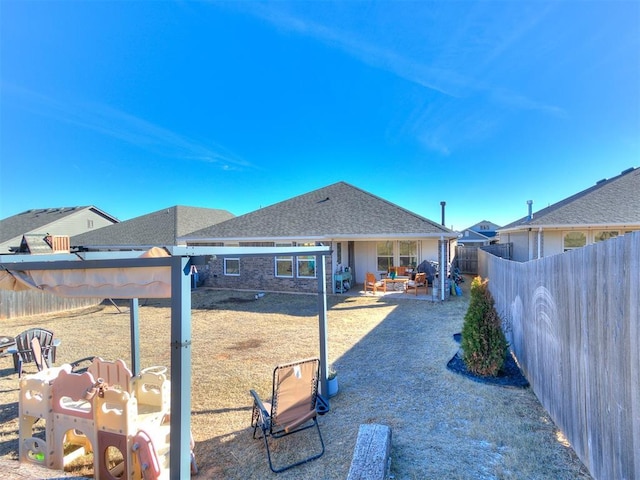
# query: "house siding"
{"points": [[525, 243], [258, 273], [552, 243], [520, 242], [367, 256]]}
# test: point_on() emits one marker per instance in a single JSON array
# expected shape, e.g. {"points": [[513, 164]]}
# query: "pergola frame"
{"points": [[180, 261]]}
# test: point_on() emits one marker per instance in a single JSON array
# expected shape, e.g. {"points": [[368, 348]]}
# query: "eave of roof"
{"points": [[571, 226]]}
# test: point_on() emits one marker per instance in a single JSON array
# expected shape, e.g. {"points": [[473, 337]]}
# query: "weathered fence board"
{"points": [[25, 303], [573, 321]]}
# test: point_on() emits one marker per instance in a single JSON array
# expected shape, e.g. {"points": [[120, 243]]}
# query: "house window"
{"points": [[306, 266], [385, 255], [284, 267], [408, 253], [284, 264], [232, 266], [574, 240], [339, 252], [601, 236]]}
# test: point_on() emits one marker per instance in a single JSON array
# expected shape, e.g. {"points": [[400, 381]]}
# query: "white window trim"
{"points": [[305, 259], [225, 268]]}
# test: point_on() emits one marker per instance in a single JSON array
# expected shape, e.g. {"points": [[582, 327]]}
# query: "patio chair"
{"points": [[419, 282], [372, 284], [23, 352], [292, 408]]}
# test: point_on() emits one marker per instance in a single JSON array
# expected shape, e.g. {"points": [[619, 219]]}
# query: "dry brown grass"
{"points": [[391, 360]]}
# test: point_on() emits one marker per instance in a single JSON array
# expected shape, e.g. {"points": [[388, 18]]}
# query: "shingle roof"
{"points": [[338, 210], [615, 201], [38, 219], [473, 236], [158, 228]]}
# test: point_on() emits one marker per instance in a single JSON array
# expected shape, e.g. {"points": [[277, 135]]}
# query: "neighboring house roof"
{"points": [[65, 221], [161, 228], [471, 236], [336, 211], [615, 201], [485, 227], [37, 220]]}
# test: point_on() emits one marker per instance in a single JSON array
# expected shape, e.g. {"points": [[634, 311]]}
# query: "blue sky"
{"points": [[137, 106]]}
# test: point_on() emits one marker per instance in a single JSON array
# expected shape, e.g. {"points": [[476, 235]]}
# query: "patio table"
{"points": [[395, 282]]}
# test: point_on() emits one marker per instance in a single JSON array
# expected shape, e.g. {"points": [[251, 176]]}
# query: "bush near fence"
{"points": [[573, 321]]}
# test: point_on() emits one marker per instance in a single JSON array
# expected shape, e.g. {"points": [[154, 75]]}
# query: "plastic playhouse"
{"points": [[123, 419]]}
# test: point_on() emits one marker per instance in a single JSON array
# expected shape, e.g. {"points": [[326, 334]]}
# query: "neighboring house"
{"points": [[469, 238], [607, 209], [52, 221], [485, 228], [366, 233], [161, 228]]}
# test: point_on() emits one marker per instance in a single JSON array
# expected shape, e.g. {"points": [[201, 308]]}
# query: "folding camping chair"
{"points": [[292, 408]]}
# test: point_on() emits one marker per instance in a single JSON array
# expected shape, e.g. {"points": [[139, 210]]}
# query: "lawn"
{"points": [[391, 357]]}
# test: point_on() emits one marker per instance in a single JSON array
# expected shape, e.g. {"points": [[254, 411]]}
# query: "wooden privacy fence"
{"points": [[467, 256], [22, 304], [573, 321]]}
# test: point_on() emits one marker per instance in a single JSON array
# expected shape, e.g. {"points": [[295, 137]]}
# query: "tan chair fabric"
{"points": [[292, 407], [294, 395]]}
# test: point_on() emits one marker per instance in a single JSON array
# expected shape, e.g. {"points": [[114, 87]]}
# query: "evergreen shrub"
{"points": [[484, 345]]}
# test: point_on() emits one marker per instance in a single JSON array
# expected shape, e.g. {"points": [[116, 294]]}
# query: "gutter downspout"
{"points": [[529, 240], [443, 268], [539, 242]]}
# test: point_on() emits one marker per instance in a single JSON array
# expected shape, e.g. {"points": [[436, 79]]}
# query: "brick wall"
{"points": [[258, 273]]}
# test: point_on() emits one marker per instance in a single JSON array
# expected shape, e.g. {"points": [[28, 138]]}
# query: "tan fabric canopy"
{"points": [[143, 282]]}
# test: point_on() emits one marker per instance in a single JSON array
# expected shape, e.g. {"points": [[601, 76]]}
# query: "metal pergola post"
{"points": [[322, 324], [179, 262], [180, 454], [134, 316]]}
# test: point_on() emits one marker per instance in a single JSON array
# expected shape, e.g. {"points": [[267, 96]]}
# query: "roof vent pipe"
{"points": [[530, 203], [442, 204]]}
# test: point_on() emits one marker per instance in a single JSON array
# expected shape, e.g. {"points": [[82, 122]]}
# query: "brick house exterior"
{"points": [[356, 224]]}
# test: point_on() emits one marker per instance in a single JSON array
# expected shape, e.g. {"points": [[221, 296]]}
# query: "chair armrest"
{"points": [[78, 367], [50, 352], [259, 404]]}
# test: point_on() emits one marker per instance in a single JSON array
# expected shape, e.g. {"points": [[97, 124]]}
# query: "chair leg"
{"points": [[308, 459]]}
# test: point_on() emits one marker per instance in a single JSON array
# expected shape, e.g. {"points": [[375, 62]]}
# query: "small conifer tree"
{"points": [[484, 345]]}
